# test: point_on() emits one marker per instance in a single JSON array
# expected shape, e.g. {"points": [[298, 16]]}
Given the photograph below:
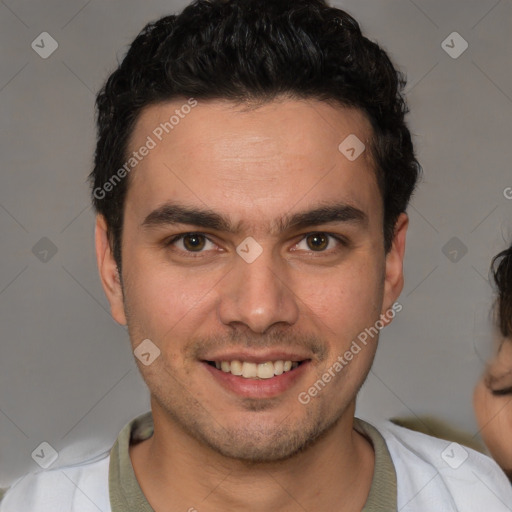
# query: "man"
{"points": [[251, 178]]}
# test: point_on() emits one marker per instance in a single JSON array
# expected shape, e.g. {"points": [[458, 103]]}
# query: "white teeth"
{"points": [[265, 370], [248, 370], [236, 367]]}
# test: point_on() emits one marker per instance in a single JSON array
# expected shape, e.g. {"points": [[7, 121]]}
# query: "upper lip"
{"points": [[257, 357]]}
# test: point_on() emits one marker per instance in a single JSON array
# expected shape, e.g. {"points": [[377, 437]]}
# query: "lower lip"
{"points": [[257, 388]]}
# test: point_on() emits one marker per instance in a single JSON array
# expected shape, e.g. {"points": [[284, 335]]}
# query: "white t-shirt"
{"points": [[413, 473]]}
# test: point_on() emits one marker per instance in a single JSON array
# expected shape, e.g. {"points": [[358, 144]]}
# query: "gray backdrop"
{"points": [[67, 375]]}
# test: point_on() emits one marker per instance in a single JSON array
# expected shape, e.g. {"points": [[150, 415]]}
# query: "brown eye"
{"points": [[317, 241], [194, 242], [191, 244]]}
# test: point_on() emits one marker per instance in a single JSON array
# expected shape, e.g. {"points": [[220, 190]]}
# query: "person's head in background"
{"points": [[493, 393]]}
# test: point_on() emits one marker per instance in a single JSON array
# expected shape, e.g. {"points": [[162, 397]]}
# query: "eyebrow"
{"points": [[173, 213]]}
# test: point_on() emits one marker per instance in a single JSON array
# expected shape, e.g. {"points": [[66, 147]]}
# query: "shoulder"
{"points": [[81, 487], [432, 471]]}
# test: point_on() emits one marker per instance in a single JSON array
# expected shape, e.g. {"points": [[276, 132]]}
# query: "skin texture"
{"points": [[494, 412], [212, 448]]}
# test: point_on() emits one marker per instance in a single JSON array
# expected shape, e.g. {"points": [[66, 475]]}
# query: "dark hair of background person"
{"points": [[502, 273], [252, 52]]}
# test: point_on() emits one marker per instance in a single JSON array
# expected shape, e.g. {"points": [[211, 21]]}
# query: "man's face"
{"points": [[250, 237]]}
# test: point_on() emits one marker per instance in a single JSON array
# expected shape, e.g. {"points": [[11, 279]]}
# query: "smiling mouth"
{"points": [[257, 371]]}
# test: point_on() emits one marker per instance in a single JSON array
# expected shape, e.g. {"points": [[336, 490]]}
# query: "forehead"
{"points": [[252, 161]]}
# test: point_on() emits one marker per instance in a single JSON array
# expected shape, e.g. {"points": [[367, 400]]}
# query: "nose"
{"points": [[258, 295]]}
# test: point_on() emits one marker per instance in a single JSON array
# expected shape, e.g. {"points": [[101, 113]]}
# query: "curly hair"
{"points": [[252, 52], [501, 268]]}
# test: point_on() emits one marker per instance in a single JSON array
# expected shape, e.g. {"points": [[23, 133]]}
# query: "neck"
{"points": [[333, 474]]}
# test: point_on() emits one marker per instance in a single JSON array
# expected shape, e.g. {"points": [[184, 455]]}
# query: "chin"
{"points": [[261, 449], [266, 443]]}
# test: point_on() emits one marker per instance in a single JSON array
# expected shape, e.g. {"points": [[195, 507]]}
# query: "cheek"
{"points": [[347, 299], [494, 417], [164, 301], [497, 437]]}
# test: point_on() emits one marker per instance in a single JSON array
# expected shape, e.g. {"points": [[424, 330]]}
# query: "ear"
{"points": [[394, 279], [108, 270]]}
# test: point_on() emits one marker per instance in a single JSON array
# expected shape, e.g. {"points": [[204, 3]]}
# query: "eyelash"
{"points": [[341, 240], [501, 392]]}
